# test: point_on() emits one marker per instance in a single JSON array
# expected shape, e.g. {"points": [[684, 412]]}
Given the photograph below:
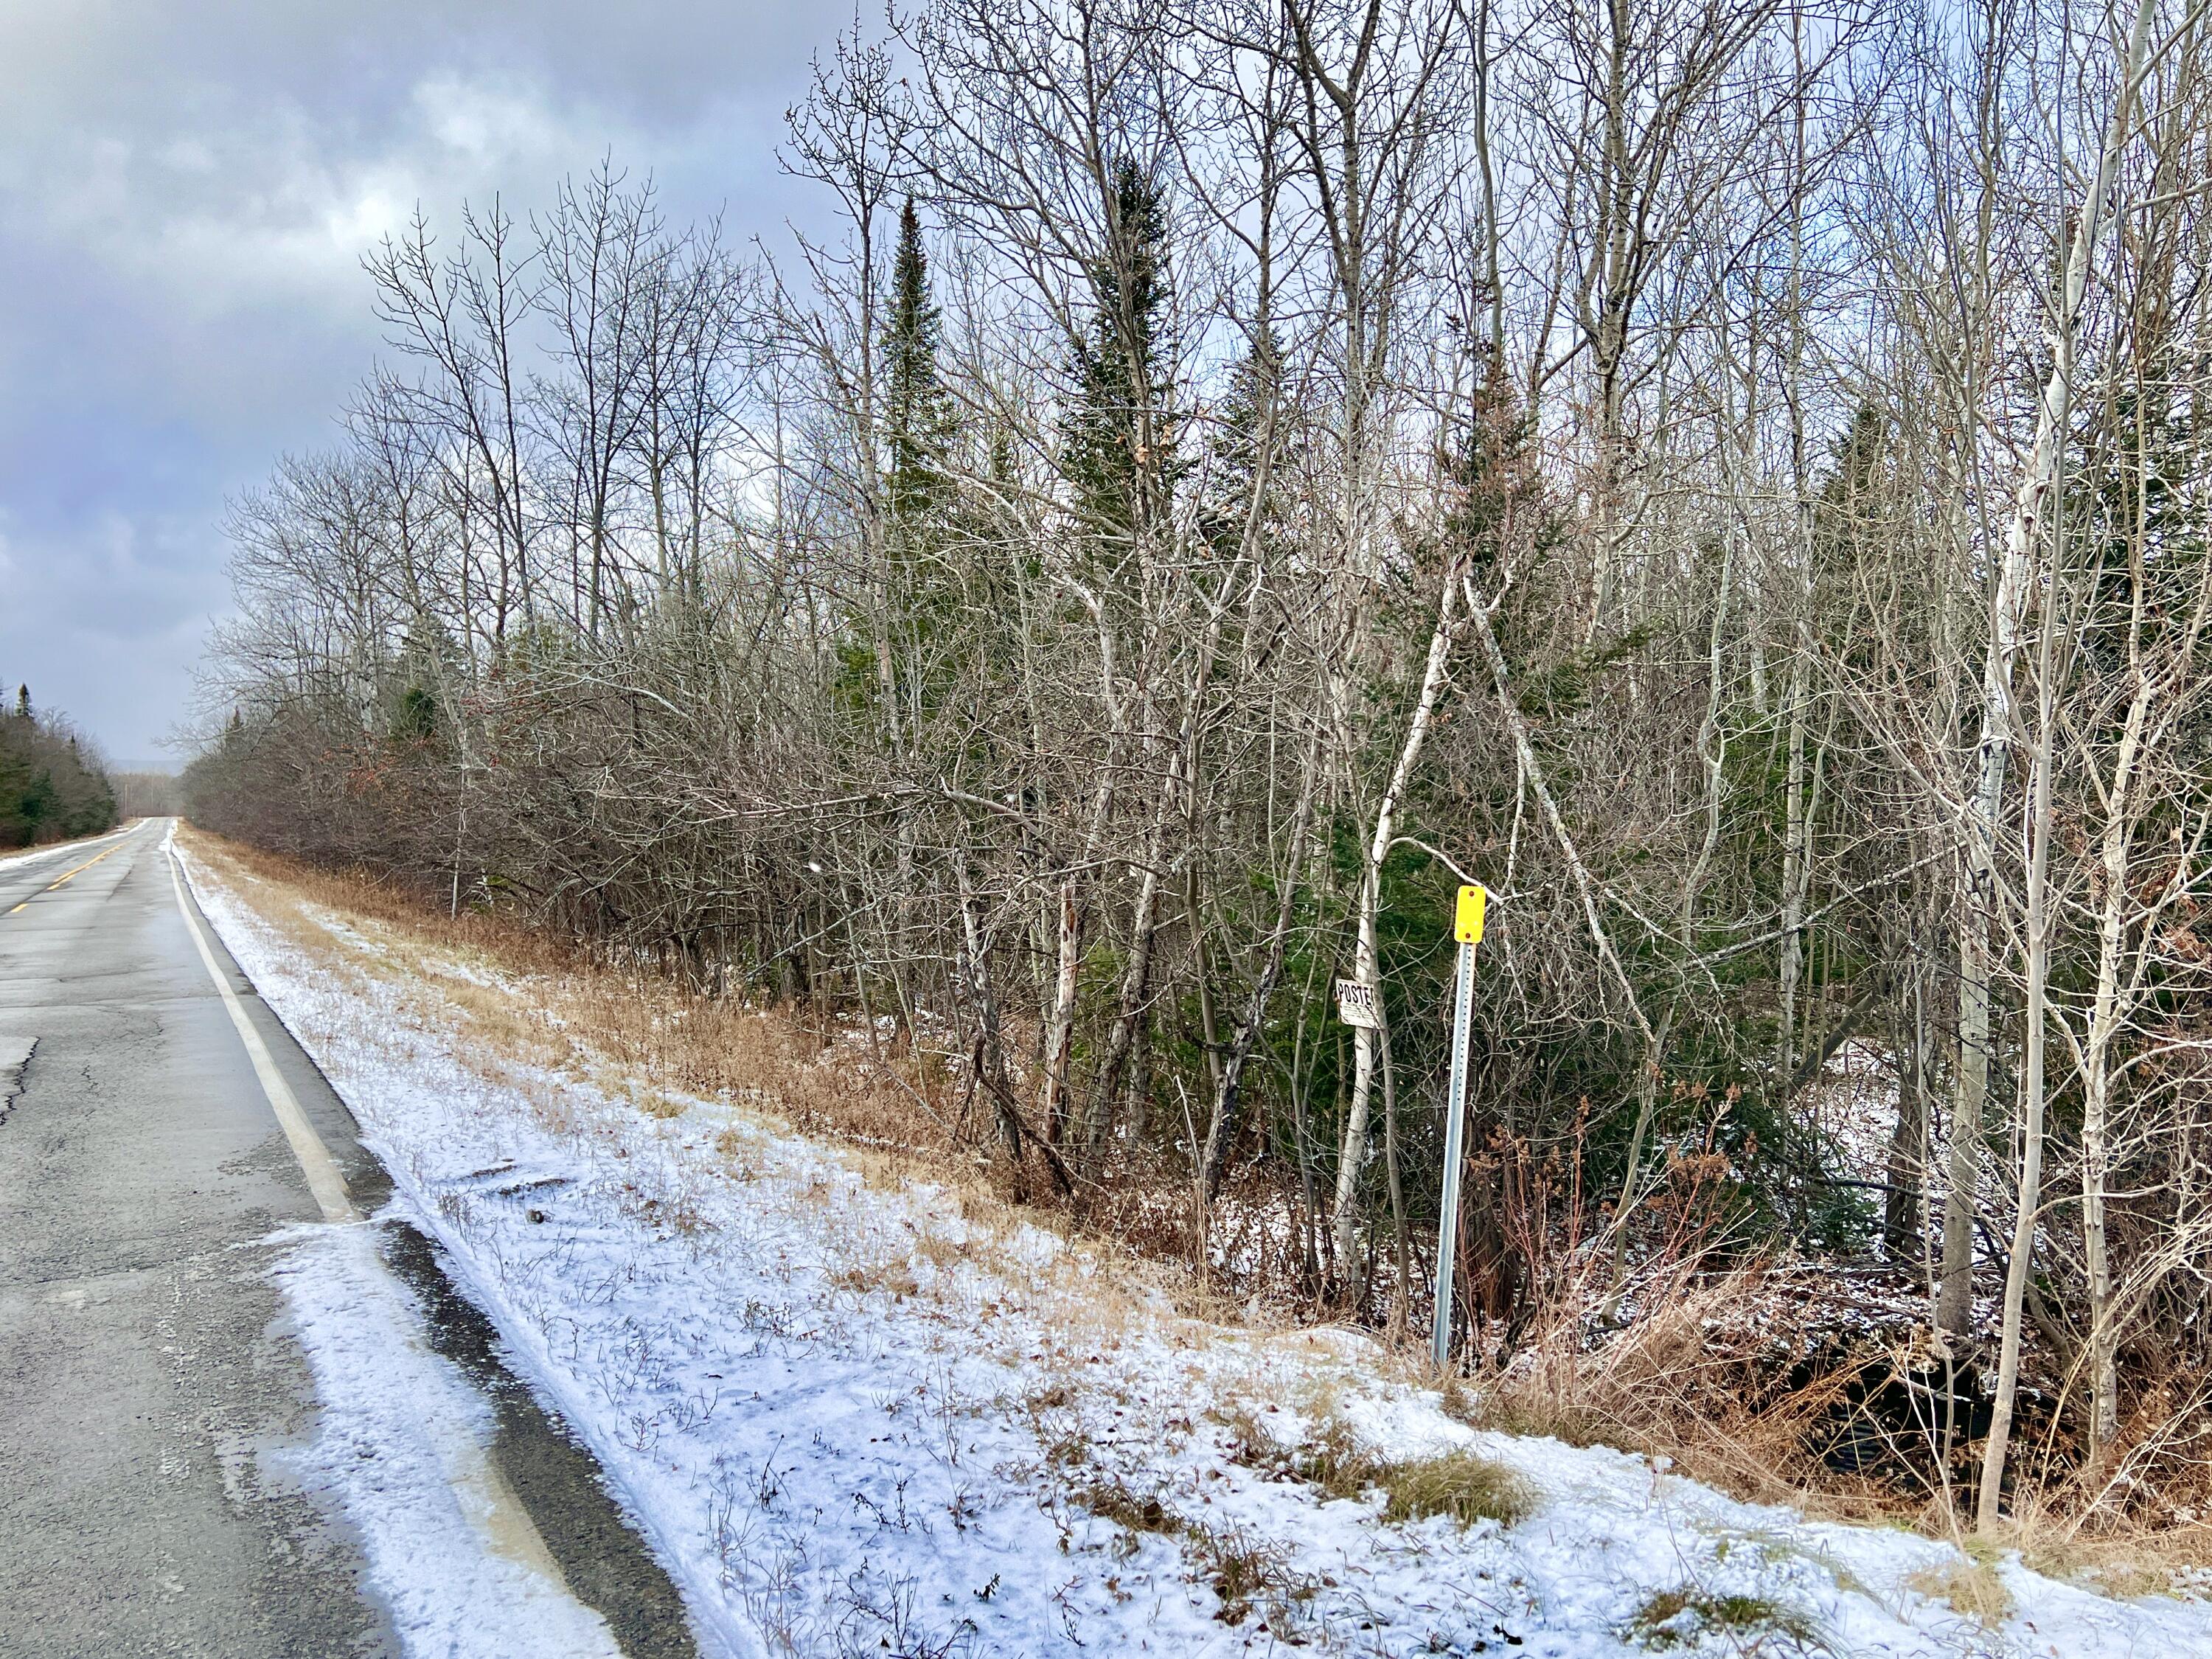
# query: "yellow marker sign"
{"points": [[1466, 923]]}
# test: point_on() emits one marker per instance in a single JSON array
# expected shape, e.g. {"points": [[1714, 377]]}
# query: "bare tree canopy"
{"points": [[1730, 477]]}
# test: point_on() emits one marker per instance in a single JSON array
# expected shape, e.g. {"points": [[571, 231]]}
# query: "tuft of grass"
{"points": [[1680, 1618], [1458, 1401], [1111, 1498], [1333, 1459], [1463, 1485], [892, 1278], [1247, 1574], [1972, 1587]]}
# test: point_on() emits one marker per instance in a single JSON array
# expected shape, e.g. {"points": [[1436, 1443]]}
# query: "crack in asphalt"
{"points": [[17, 1070]]}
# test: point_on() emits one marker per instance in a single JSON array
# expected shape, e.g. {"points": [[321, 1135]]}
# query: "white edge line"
{"points": [[324, 1179], [491, 1506]]}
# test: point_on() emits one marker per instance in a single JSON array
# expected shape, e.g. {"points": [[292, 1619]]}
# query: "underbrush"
{"points": [[1774, 1382], [1701, 1374], [1770, 1382]]}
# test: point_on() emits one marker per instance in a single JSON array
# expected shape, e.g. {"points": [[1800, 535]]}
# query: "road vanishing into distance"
{"points": [[149, 1384]]}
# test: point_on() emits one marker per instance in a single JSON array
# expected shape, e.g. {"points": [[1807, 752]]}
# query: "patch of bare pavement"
{"points": [[159, 1481]]}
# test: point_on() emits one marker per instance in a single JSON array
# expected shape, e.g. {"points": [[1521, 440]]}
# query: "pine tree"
{"points": [[1240, 433], [918, 420], [1119, 439]]}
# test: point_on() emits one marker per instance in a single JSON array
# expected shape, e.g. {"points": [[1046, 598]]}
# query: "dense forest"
{"points": [[52, 786], [1730, 477]]}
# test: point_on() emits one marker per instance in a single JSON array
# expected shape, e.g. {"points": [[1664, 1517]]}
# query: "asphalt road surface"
{"points": [[146, 1372]]}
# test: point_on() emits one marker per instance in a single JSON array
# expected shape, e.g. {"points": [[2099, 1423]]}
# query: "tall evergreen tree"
{"points": [[1118, 441], [921, 429], [1248, 429], [918, 419]]}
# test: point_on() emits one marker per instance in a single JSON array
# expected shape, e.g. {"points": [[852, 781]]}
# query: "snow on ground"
{"points": [[1853, 1107], [55, 849], [401, 1443], [852, 1418]]}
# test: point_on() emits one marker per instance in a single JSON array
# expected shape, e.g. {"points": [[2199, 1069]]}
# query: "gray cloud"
{"points": [[185, 192]]}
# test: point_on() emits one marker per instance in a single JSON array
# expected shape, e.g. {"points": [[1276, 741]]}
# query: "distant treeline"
{"points": [[52, 786], [145, 794]]}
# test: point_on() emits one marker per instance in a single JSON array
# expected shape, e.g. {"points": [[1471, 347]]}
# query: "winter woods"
{"points": [[53, 785], [1730, 477]]}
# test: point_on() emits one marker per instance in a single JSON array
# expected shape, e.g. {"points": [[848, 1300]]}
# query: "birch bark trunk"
{"points": [[1365, 966], [2040, 491], [2097, 1078]]}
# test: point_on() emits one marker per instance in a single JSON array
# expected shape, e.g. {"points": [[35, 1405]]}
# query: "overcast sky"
{"points": [[185, 191]]}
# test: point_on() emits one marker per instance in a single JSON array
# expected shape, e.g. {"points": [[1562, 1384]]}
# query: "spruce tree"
{"points": [[918, 412], [920, 431], [1500, 514], [1240, 433], [1119, 439]]}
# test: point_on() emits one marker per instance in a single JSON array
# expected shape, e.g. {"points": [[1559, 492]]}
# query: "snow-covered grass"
{"points": [[29, 855], [858, 1412]]}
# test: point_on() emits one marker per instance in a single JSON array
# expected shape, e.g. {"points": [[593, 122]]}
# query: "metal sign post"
{"points": [[1467, 929]]}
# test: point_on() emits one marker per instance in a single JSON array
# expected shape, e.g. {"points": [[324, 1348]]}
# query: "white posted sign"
{"points": [[1355, 1004]]}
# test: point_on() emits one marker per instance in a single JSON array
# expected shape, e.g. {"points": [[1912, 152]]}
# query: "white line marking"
{"points": [[491, 1506], [324, 1179]]}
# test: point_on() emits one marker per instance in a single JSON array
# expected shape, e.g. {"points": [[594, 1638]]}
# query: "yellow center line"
{"points": [[64, 880], [70, 875]]}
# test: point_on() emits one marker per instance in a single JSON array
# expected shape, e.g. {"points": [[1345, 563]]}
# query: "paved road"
{"points": [[145, 1369]]}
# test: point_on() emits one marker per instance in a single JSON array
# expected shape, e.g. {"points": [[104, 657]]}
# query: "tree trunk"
{"points": [[2042, 491], [1954, 1301], [1365, 966], [1222, 1128], [2031, 1158], [1060, 1028]]}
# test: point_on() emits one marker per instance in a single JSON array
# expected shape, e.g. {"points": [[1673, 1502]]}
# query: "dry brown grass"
{"points": [[1692, 1379], [1973, 1588], [642, 1023], [1702, 1378], [2114, 1555]]}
